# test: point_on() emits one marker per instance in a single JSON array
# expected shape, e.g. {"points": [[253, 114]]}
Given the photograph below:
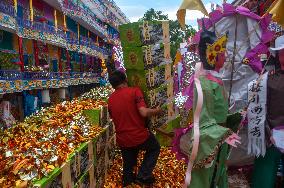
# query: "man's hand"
{"points": [[158, 110], [148, 112], [233, 139]]}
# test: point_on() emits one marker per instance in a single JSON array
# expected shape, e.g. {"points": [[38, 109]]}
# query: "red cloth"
{"points": [[130, 126]]}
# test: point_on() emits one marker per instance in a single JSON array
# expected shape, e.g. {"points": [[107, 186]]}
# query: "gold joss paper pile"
{"points": [[169, 172], [34, 148]]}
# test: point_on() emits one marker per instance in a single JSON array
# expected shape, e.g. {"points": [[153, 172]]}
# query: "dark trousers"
{"points": [[129, 155], [265, 169]]}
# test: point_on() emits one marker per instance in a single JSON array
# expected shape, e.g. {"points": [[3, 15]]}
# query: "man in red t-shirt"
{"points": [[128, 111]]}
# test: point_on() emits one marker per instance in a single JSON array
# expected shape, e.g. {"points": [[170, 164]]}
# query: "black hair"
{"points": [[206, 37], [116, 78]]}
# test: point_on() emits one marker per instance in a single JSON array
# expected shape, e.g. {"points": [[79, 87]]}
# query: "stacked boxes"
{"points": [[85, 181], [111, 145], [100, 150], [98, 116], [53, 180], [144, 33], [104, 154], [87, 166], [72, 172], [146, 48]]}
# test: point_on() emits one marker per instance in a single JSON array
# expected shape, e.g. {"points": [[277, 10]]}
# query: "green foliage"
{"points": [[176, 32], [151, 14]]}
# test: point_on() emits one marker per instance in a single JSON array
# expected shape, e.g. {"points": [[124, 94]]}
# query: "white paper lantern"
{"points": [[45, 96]]}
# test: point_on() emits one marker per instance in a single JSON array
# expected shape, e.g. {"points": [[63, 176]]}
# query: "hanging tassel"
{"points": [[21, 52], [55, 18], [78, 28], [64, 22], [59, 59], [36, 53], [81, 63], [16, 6], [68, 63], [31, 11]]}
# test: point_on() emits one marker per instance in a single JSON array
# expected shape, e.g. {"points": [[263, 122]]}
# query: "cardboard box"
{"points": [[158, 76], [157, 97], [156, 55], [75, 167], [93, 116], [100, 182], [84, 158], [98, 116], [81, 160], [144, 33], [167, 115], [100, 166], [137, 79], [111, 150], [110, 130], [100, 145], [130, 35], [105, 118], [59, 178], [146, 57], [92, 176], [86, 180], [53, 180], [161, 95], [79, 169], [133, 58]]}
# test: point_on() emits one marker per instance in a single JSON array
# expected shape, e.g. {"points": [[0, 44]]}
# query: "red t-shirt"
{"points": [[130, 126]]}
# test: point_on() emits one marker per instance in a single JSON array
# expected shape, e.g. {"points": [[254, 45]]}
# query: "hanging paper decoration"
{"points": [[16, 5], [180, 100], [31, 10], [188, 64], [256, 114], [118, 57], [55, 18]]}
